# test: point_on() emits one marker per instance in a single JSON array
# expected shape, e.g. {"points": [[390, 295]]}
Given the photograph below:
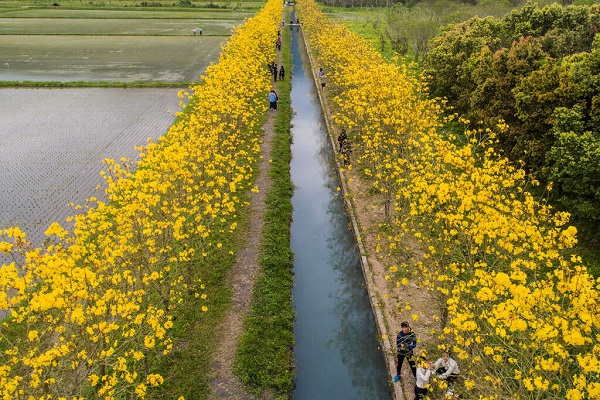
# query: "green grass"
{"points": [[265, 359]]}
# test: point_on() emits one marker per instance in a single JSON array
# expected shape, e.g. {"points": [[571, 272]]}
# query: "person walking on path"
{"points": [[342, 138], [274, 71], [273, 100], [322, 78], [271, 67], [346, 152], [424, 371], [281, 73], [406, 341]]}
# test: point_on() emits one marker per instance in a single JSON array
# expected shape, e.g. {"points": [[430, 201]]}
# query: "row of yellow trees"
{"points": [[518, 309], [88, 312]]}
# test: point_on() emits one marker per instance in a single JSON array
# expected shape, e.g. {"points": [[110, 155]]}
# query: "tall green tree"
{"points": [[575, 167], [536, 68]]}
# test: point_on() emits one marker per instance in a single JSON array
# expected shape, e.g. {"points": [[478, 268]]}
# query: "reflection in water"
{"points": [[337, 355], [352, 305]]}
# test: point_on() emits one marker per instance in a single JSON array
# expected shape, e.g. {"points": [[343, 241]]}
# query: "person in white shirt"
{"points": [[446, 368], [322, 78], [424, 371]]}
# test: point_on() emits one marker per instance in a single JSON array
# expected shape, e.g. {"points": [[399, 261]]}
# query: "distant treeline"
{"points": [[539, 71], [387, 3]]}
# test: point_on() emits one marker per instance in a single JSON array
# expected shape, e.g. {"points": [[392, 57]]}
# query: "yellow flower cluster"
{"points": [[519, 310], [86, 310]]}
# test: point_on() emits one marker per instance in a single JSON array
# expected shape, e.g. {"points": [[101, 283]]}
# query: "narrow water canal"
{"points": [[337, 354]]}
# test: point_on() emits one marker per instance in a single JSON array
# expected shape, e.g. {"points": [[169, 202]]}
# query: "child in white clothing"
{"points": [[424, 371]]}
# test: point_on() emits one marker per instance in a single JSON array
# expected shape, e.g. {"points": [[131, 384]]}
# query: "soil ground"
{"points": [[53, 142]]}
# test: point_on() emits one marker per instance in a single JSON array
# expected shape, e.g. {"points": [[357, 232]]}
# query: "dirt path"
{"points": [[224, 383]]}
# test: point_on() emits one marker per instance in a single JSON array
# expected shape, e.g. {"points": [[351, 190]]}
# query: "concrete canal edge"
{"points": [[386, 338]]}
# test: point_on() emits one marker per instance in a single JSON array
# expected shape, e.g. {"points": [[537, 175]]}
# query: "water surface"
{"points": [[337, 354]]}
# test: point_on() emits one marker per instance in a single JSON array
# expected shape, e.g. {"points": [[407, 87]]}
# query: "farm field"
{"points": [[64, 45], [106, 58], [54, 141], [139, 13], [115, 26]]}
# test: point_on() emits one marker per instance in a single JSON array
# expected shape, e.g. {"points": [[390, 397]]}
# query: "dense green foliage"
{"points": [[406, 28], [537, 69], [413, 3]]}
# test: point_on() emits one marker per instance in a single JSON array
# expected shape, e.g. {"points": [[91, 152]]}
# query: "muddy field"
{"points": [[106, 58], [53, 141], [115, 26], [63, 45]]}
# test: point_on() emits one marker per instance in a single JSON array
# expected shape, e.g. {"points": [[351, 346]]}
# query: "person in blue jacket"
{"points": [[273, 100], [406, 341]]}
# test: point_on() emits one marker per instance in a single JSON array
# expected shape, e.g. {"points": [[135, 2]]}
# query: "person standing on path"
{"points": [[342, 138], [406, 341], [281, 73], [322, 78], [273, 100]]}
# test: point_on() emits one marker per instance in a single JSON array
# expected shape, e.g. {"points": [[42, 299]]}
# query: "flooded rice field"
{"points": [[106, 58], [115, 26], [53, 141], [110, 46], [133, 13]]}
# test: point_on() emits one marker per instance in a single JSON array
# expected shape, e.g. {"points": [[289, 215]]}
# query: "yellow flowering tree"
{"points": [[88, 311], [517, 307]]}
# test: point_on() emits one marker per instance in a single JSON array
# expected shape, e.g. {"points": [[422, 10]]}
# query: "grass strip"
{"points": [[265, 360]]}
